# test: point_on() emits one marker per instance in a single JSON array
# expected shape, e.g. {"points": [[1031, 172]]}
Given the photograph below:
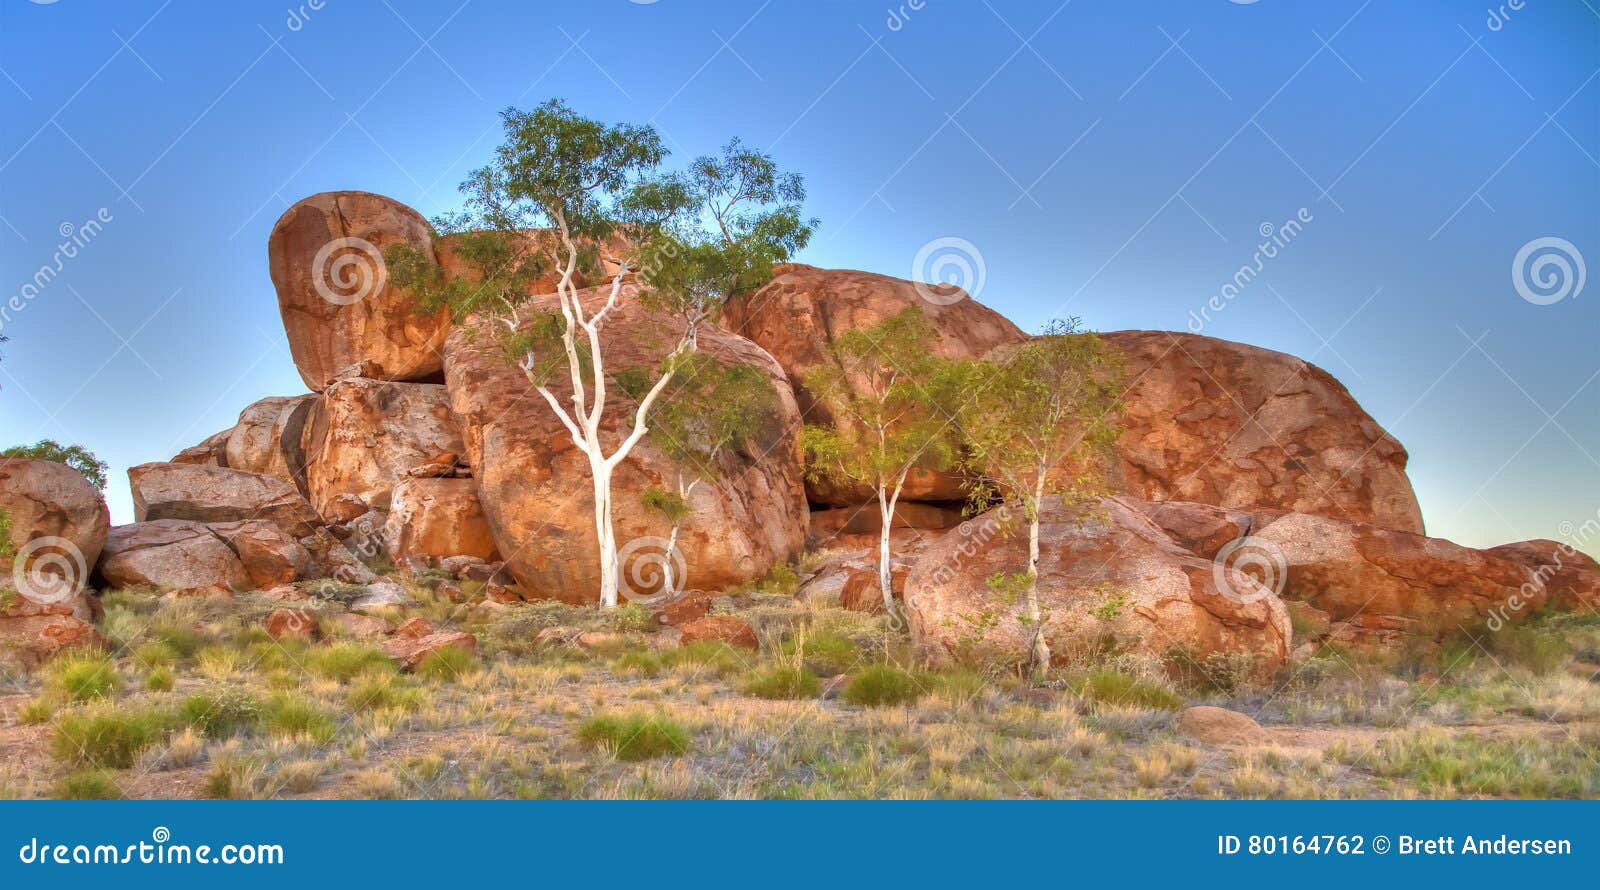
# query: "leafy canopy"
{"points": [[890, 400], [74, 456], [1043, 418]]}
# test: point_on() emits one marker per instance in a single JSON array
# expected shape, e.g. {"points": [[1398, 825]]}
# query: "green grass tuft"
{"points": [[783, 681], [635, 736], [84, 676], [107, 736], [881, 684]]}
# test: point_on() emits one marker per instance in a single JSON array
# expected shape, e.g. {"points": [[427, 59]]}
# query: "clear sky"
{"points": [[1114, 160]]}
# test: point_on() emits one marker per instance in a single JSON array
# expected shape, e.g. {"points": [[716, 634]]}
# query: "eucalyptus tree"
{"points": [[891, 414], [1041, 421], [564, 193]]}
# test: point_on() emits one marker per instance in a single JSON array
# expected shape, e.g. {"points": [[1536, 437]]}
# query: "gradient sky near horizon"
{"points": [[1112, 160]]}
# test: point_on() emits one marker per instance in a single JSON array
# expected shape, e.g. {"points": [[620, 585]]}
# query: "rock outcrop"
{"points": [[800, 312], [438, 519], [1223, 423], [176, 555], [1109, 578], [341, 313], [365, 435], [1379, 582], [269, 438], [217, 494], [535, 484], [1571, 576], [59, 524]]}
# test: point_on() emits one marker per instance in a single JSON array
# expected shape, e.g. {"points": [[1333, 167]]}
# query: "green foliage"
{"points": [[74, 456], [712, 655], [346, 661], [636, 736], [7, 549], [106, 735], [446, 665], [825, 654], [1112, 605], [88, 785], [783, 681], [890, 408], [159, 680], [630, 617], [81, 676], [1042, 419], [219, 713], [881, 684], [636, 663], [377, 692], [709, 410], [290, 714], [1113, 687]]}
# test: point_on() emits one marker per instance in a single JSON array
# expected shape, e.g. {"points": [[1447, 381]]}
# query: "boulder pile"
{"points": [[1249, 486]]}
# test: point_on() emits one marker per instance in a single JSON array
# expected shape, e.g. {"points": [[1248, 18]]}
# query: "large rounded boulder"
{"points": [[535, 483], [1109, 578], [58, 526], [268, 439], [1217, 422], [343, 316], [800, 311]]}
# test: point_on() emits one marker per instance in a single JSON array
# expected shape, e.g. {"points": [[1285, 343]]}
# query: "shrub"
{"points": [[155, 654], [81, 676], [106, 736], [1114, 687], [159, 680], [783, 681], [630, 617], [36, 711], [74, 456], [376, 692], [635, 736], [345, 661], [446, 664], [881, 684], [714, 655], [181, 640], [288, 714], [88, 785], [826, 654], [219, 713], [642, 664]]}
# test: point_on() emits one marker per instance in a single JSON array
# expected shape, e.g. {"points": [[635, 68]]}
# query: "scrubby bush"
{"points": [[636, 736], [1113, 687], [82, 676], [881, 684], [106, 736], [783, 681]]}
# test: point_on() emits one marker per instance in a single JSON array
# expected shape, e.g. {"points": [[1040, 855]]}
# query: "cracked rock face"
{"points": [[326, 259], [1222, 423], [45, 499]]}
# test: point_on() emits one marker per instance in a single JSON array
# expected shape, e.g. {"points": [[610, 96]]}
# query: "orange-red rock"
{"points": [[175, 555], [46, 500], [535, 484], [409, 651], [339, 308], [363, 436], [296, 624], [1104, 574], [723, 629], [797, 314], [443, 518], [1223, 423], [32, 633], [1571, 576]]}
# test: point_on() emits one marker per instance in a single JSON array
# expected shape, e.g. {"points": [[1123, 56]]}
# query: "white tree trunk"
{"points": [[1040, 649], [886, 504]]}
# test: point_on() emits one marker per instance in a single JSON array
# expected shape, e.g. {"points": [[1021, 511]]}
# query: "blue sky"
{"points": [[1112, 160]]}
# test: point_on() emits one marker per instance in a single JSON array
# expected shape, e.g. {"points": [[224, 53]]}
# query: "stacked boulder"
{"points": [[419, 445]]}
